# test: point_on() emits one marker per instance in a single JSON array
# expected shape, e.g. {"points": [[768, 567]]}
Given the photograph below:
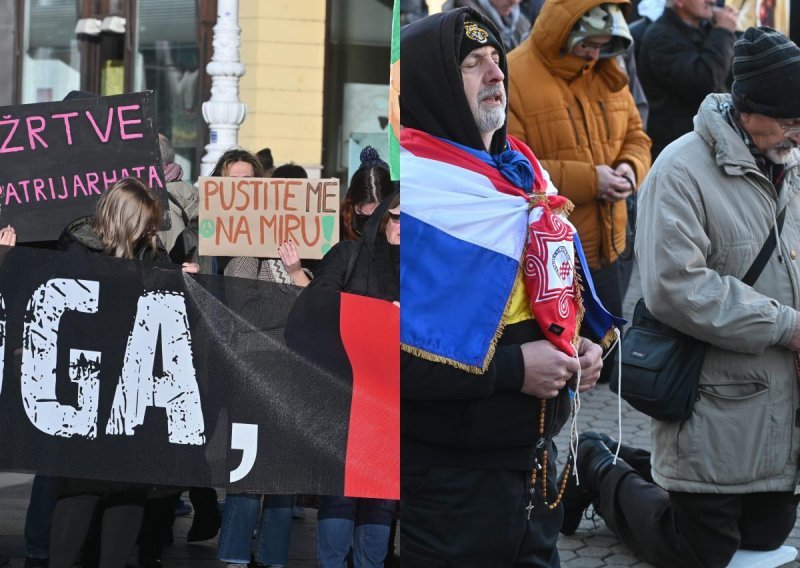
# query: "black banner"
{"points": [[122, 370], [56, 159]]}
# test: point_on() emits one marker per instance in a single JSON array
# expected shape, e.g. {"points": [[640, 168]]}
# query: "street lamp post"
{"points": [[224, 112]]}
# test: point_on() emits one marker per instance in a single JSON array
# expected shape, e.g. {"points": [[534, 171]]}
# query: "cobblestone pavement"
{"points": [[593, 545]]}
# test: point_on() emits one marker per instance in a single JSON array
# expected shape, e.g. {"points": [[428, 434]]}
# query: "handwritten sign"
{"points": [[57, 159], [252, 216]]}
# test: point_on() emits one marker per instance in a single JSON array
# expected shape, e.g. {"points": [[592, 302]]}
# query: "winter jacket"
{"points": [[79, 237], [576, 115], [369, 266], [188, 198], [678, 66], [705, 211]]}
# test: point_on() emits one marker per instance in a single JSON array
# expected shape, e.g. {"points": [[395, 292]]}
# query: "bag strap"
{"points": [[174, 200], [763, 255]]}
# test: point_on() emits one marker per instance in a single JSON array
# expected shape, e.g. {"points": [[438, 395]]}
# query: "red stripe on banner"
{"points": [[370, 331]]}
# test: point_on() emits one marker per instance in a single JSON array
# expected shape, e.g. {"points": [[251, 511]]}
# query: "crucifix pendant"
{"points": [[529, 508]]}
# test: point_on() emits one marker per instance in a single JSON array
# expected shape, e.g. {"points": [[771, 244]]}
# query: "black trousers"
{"points": [[692, 530], [475, 518]]}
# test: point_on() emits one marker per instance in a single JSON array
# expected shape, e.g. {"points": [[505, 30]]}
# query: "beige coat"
{"points": [[575, 116], [704, 213]]}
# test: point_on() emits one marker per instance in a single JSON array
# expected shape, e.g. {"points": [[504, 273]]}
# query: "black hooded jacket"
{"points": [[369, 266], [451, 417]]}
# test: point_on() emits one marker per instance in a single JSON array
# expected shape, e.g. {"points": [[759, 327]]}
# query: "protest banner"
{"points": [[252, 216], [57, 159], [121, 370]]}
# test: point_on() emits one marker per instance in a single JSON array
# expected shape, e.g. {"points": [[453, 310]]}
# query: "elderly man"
{"points": [[569, 101], [685, 55], [727, 477], [484, 388]]}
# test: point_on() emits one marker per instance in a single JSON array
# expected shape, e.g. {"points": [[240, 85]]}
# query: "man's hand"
{"points": [[726, 17], [625, 170], [612, 186], [547, 369], [590, 356]]}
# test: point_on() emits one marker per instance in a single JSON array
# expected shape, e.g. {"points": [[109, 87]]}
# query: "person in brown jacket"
{"points": [[569, 101]]}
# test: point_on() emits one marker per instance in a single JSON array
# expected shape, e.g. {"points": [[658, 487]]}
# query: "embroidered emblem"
{"points": [[474, 32]]}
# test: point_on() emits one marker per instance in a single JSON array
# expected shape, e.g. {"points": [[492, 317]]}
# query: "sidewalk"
{"points": [[592, 546]]}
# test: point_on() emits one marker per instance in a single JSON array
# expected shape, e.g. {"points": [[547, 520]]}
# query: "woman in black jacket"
{"points": [[124, 225], [369, 266]]}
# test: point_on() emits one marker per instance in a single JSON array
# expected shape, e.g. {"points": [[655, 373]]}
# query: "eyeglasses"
{"points": [[593, 45], [789, 127]]}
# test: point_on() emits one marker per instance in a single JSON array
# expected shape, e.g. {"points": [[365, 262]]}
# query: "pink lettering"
{"points": [[23, 183], [33, 132], [103, 137], [124, 173], [11, 191], [109, 180], [64, 187], [14, 123], [52, 188], [91, 181], [137, 171], [123, 122], [154, 177], [66, 116], [77, 183], [38, 186]]}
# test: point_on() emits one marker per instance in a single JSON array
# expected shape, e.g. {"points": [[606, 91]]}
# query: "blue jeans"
{"points": [[363, 524], [241, 517], [39, 516]]}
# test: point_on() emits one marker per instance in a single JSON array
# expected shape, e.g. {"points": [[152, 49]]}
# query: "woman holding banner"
{"points": [[370, 267], [124, 225]]}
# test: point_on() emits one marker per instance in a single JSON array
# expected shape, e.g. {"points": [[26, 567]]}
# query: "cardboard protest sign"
{"points": [[57, 159], [252, 216]]}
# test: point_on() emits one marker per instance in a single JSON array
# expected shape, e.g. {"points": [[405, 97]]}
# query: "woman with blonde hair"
{"points": [[124, 225]]}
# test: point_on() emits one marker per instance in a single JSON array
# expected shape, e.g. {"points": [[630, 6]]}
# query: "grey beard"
{"points": [[491, 119], [782, 156]]}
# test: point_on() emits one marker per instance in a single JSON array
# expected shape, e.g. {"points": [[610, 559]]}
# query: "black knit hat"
{"points": [[766, 74], [476, 35]]}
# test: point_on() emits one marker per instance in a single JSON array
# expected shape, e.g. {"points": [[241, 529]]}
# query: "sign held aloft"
{"points": [[252, 216], [58, 158]]}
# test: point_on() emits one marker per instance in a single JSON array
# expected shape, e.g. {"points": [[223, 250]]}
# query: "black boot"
{"points": [[594, 461]]}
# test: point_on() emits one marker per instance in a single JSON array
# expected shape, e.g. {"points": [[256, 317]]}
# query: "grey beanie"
{"points": [[766, 74]]}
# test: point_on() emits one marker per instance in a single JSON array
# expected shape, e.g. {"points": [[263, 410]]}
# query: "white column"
{"points": [[224, 112]]}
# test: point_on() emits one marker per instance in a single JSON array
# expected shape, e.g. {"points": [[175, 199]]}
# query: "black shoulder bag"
{"points": [[660, 365]]}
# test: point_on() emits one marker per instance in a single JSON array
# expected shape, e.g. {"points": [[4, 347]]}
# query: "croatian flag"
{"points": [[464, 234], [462, 242]]}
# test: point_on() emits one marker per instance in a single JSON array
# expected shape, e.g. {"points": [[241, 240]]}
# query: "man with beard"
{"points": [[727, 477], [484, 387], [569, 101]]}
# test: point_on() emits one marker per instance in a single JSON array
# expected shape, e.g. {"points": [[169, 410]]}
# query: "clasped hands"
{"points": [[548, 369]]}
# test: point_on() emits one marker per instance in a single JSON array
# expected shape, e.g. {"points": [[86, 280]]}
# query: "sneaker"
{"points": [[182, 508], [298, 512]]}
